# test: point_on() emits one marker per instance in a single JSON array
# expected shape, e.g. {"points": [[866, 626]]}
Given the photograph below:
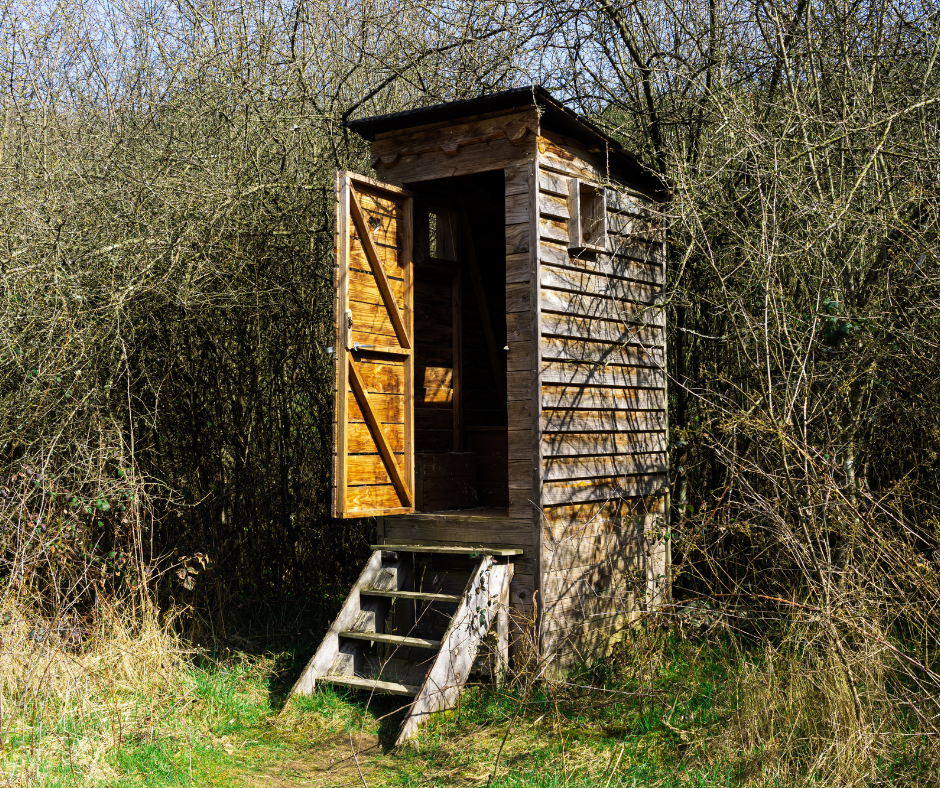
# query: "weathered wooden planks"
{"points": [[386, 449], [518, 297], [514, 127], [594, 307], [562, 157], [602, 395], [381, 376], [585, 385], [553, 229], [374, 391], [517, 238], [520, 357], [563, 420], [517, 208], [603, 286], [482, 309], [506, 533], [591, 467], [326, 653], [564, 524], [575, 549], [446, 481], [375, 499], [598, 375], [515, 180], [622, 201], [364, 288], [389, 300], [642, 331], [368, 469], [360, 441], [436, 164], [390, 409], [371, 319], [565, 444], [451, 667], [624, 260], [517, 268], [577, 349], [595, 397], [600, 489], [636, 228]]}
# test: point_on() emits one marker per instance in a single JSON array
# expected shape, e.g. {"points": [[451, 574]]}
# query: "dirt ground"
{"points": [[344, 760]]}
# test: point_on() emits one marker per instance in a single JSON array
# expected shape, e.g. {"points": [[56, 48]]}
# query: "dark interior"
{"points": [[461, 439]]}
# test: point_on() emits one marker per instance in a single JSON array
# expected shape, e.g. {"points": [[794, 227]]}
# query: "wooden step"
{"points": [[387, 687], [396, 640], [434, 681], [416, 595], [467, 550]]}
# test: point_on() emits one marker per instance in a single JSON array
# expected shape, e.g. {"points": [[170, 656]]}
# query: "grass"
{"points": [[655, 714], [224, 726]]}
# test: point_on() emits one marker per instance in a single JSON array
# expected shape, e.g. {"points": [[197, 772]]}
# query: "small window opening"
{"points": [[587, 211], [441, 245]]}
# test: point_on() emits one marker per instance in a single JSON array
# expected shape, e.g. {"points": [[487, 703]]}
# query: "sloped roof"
{"points": [[555, 116]]}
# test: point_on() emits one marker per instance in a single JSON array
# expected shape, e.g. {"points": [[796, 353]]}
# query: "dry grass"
{"points": [[130, 706], [78, 702]]}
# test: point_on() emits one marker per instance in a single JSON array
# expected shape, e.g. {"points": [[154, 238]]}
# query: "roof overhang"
{"points": [[554, 115]]}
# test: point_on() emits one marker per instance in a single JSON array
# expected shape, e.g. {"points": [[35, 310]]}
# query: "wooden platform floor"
{"points": [[467, 514], [487, 528]]}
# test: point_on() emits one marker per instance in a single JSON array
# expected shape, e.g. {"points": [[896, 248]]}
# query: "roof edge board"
{"points": [[556, 115]]}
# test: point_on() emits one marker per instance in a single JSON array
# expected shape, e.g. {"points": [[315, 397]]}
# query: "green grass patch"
{"points": [[654, 714]]}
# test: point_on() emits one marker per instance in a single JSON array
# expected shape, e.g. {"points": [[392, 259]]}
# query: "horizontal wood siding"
{"points": [[603, 410]]}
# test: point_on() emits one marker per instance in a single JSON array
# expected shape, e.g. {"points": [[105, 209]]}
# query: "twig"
{"points": [[355, 752], [612, 771]]}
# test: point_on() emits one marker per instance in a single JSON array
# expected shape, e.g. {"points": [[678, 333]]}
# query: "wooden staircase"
{"points": [[412, 625]]}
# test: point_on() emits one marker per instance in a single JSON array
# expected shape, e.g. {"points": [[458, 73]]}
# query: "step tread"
{"points": [[390, 687], [399, 640], [411, 595], [469, 550]]}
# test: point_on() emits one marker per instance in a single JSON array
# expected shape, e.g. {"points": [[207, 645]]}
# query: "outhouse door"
{"points": [[374, 393]]}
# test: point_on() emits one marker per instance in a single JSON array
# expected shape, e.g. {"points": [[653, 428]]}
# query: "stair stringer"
{"points": [[466, 631], [321, 662]]}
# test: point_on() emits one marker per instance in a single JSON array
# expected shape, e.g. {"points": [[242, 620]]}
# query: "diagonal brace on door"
{"points": [[381, 441], [398, 322]]}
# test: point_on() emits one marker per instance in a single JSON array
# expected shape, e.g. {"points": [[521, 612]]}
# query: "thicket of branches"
{"points": [[166, 254], [800, 143], [166, 187]]}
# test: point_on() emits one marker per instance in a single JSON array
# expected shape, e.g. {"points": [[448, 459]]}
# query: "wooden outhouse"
{"points": [[500, 392]]}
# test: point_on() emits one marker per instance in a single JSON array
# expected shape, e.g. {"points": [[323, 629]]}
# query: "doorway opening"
{"points": [[459, 280]]}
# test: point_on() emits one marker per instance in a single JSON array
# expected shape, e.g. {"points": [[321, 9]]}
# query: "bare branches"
{"points": [[800, 145]]}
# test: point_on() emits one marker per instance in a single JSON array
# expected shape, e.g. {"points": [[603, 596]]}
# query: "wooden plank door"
{"points": [[374, 407]]}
